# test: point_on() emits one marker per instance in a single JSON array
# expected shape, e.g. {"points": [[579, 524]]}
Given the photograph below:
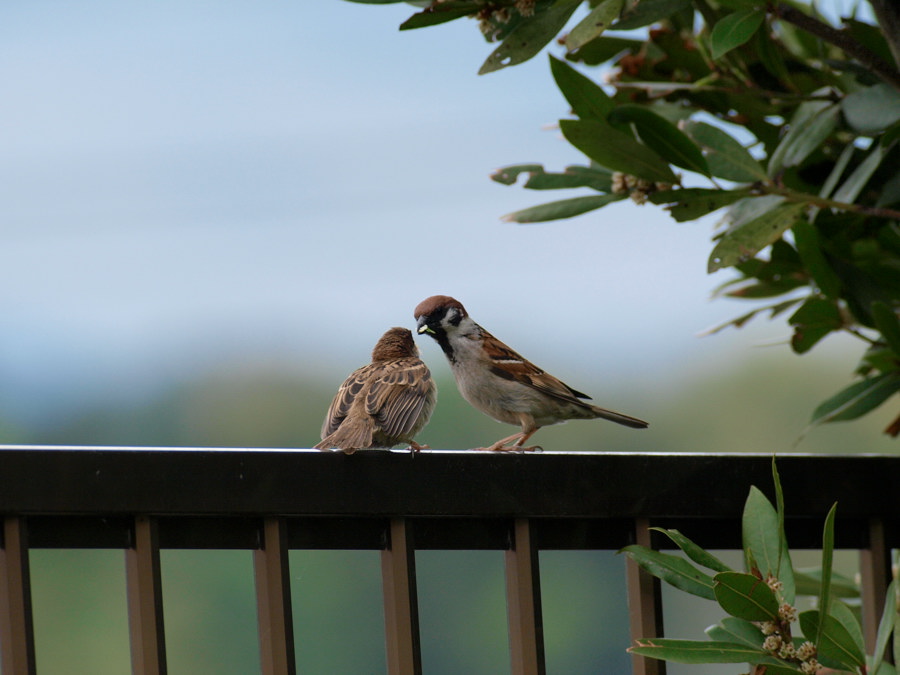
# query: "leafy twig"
{"points": [[839, 39]]}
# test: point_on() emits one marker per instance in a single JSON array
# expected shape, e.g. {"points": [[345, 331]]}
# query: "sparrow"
{"points": [[501, 383], [384, 403]]}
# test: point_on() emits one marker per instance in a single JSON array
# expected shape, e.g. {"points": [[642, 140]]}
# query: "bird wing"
{"points": [[511, 365], [398, 396], [345, 397]]}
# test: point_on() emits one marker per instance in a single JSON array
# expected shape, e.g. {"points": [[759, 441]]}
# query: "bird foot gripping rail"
{"points": [[144, 500]]}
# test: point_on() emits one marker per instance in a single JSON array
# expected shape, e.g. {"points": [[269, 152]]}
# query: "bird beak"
{"points": [[425, 328]]}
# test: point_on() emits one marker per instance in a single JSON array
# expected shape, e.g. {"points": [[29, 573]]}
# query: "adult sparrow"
{"points": [[384, 403], [500, 382]]}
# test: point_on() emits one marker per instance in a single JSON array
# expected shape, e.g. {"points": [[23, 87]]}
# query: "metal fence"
{"points": [[142, 500]]}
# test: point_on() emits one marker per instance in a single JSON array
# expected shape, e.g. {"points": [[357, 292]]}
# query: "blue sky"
{"points": [[185, 184]]}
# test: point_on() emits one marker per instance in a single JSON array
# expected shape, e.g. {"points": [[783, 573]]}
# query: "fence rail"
{"points": [[143, 500]]}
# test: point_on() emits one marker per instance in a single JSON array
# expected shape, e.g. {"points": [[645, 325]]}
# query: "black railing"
{"points": [[142, 500]]}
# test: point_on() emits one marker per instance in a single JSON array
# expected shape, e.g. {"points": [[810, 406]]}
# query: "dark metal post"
{"points": [[523, 599], [401, 607], [16, 628], [145, 608], [273, 598]]}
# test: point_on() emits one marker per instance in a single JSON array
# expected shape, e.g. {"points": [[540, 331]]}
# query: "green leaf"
{"points": [[745, 596], [602, 49], [732, 629], [616, 150], [857, 399], [872, 110], [566, 208], [759, 527], [726, 157], [816, 318], [885, 626], [698, 651], [827, 561], [509, 174], [849, 191], [663, 137], [734, 30], [439, 13], [745, 241], [785, 573], [587, 98], [530, 36], [837, 171], [809, 582], [645, 12], [673, 570], [694, 552], [888, 324], [692, 203], [836, 644], [593, 25], [806, 238], [811, 124]]}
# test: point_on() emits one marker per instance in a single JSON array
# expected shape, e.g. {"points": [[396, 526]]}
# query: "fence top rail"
{"points": [[66, 480]]}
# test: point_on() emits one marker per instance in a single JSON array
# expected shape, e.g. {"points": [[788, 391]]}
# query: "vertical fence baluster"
{"points": [[273, 599], [16, 628], [644, 604], [401, 607], [875, 573], [145, 606], [523, 599]]}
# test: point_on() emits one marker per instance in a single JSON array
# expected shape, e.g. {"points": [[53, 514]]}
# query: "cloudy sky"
{"points": [[189, 183]]}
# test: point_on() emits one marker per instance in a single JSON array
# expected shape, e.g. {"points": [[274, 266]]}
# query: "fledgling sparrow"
{"points": [[500, 382], [384, 403]]}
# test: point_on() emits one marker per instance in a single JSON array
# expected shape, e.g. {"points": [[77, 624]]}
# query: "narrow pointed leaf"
{"points": [[759, 526], [645, 12], [857, 399], [785, 573], [885, 626], [809, 582], [694, 552], [587, 98], [438, 14], [593, 25], [744, 242], [734, 30], [663, 137], [745, 596], [726, 157], [616, 150], [856, 181], [827, 560], [530, 36], [691, 651], [692, 203], [812, 123], [673, 570], [565, 208]]}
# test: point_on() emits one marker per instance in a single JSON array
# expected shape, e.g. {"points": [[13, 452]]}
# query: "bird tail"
{"points": [[619, 418], [353, 434]]}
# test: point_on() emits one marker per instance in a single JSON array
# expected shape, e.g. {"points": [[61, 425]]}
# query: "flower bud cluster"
{"points": [[639, 189]]}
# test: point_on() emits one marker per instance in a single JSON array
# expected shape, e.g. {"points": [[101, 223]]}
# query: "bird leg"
{"points": [[415, 447], [507, 445]]}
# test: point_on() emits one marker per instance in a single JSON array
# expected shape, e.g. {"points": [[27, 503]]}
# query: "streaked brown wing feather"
{"points": [[346, 395], [398, 395], [517, 367]]}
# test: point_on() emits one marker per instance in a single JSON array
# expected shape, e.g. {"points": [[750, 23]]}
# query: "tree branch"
{"points": [[840, 39], [888, 14]]}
